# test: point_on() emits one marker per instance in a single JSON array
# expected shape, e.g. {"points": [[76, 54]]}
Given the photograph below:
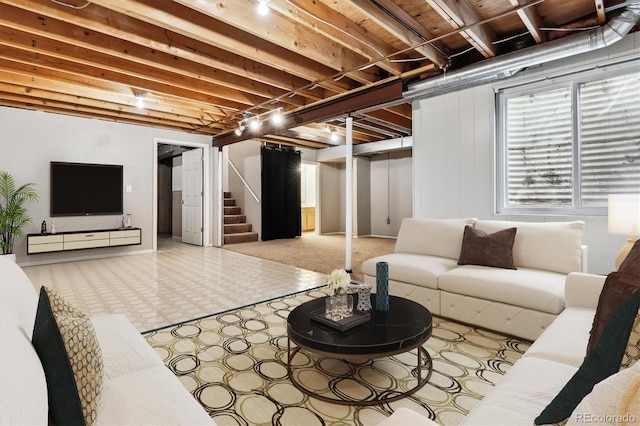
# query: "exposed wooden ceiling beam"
{"points": [[400, 31], [110, 93], [531, 19], [194, 25], [142, 42], [114, 69], [319, 17], [459, 13], [600, 11], [290, 35]]}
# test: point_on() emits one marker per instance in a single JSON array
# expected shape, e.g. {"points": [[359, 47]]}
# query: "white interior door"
{"points": [[192, 196]]}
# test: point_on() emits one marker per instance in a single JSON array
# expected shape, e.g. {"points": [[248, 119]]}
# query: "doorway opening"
{"points": [[172, 218], [309, 197]]}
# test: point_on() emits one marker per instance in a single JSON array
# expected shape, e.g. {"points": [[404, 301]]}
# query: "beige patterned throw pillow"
{"points": [[632, 351], [70, 353]]}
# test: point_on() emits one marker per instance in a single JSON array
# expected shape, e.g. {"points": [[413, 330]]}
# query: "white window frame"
{"points": [[570, 78]]}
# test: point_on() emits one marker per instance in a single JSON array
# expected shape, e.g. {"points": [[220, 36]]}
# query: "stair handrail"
{"points": [[255, 197]]}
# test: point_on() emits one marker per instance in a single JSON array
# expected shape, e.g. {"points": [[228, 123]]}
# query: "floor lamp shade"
{"points": [[624, 219]]}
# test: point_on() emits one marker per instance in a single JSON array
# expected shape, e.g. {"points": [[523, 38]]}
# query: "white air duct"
{"points": [[492, 70]]}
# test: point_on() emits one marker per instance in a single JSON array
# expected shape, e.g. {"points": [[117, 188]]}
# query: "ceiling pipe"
{"points": [[493, 70]]}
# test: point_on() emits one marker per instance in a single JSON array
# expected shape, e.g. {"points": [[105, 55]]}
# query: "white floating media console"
{"points": [[63, 241]]}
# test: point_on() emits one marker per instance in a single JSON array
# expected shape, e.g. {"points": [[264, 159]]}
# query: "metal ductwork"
{"points": [[492, 70]]}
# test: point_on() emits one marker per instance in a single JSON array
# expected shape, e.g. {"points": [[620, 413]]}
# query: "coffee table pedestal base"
{"points": [[422, 355]]}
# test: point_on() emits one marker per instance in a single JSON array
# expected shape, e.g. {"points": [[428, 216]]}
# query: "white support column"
{"points": [[349, 195], [219, 195]]}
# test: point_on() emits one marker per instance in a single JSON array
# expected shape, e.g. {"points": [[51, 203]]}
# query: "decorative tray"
{"points": [[344, 324]]}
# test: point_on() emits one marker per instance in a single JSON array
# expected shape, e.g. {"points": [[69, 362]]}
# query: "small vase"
{"points": [[364, 297], [382, 286]]}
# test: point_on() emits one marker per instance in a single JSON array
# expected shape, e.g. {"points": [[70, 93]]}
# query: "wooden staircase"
{"points": [[236, 228]]}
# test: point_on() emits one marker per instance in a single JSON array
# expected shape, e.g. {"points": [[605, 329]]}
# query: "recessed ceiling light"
{"points": [[140, 100], [263, 9]]}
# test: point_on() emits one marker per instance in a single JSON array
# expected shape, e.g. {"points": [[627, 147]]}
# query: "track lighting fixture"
{"points": [[140, 99], [263, 9], [334, 135], [254, 122], [276, 118]]}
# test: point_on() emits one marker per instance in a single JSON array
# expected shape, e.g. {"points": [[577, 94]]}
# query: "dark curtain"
{"points": [[281, 213]]}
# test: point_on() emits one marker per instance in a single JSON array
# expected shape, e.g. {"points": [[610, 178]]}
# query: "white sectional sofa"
{"points": [[536, 378], [137, 387], [520, 302]]}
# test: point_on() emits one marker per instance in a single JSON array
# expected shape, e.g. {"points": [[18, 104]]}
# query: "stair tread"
{"points": [[241, 237]]}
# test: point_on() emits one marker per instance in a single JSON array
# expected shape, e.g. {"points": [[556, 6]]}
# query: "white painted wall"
{"points": [[384, 190], [30, 140], [308, 185], [361, 197], [453, 155], [245, 156], [331, 198], [391, 191]]}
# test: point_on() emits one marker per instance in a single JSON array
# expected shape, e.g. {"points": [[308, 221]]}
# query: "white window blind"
{"points": [[609, 138], [539, 166], [568, 146]]}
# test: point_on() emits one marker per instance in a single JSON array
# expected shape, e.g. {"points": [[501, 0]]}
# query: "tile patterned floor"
{"points": [[177, 283]]}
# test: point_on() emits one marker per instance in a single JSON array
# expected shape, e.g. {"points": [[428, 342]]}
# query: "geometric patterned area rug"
{"points": [[235, 364]]}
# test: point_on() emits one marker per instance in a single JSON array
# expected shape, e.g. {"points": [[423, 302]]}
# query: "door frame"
{"points": [[206, 189]]}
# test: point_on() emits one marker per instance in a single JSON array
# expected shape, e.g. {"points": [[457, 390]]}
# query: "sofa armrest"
{"points": [[582, 290]]}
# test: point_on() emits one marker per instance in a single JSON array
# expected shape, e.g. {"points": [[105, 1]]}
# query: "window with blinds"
{"points": [[565, 147]]}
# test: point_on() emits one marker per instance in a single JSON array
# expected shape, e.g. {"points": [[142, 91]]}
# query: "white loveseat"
{"points": [[536, 378], [521, 302], [137, 387]]}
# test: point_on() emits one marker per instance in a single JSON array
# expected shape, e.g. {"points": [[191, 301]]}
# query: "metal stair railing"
{"points": [[246, 185]]}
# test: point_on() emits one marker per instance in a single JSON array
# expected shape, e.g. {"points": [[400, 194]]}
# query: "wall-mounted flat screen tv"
{"points": [[80, 189]]}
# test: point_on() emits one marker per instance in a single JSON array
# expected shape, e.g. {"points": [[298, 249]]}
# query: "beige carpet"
{"points": [[234, 363], [319, 253]]}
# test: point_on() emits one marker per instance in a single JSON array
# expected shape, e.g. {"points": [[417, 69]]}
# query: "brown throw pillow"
{"points": [[617, 288], [631, 264], [480, 248]]}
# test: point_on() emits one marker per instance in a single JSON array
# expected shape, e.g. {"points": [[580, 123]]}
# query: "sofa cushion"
{"points": [[23, 387], [528, 288], [67, 345], [124, 350], [605, 360], [617, 288], [550, 246], [522, 393], [17, 292], [433, 237], [480, 248], [153, 396], [417, 269], [565, 339], [615, 398]]}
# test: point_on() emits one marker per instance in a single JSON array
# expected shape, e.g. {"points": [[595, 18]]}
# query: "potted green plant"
{"points": [[13, 214]]}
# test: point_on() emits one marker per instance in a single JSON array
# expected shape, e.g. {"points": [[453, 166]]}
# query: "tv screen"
{"points": [[79, 189]]}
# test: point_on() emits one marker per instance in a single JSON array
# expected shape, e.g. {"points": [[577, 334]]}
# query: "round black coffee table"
{"points": [[406, 326]]}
